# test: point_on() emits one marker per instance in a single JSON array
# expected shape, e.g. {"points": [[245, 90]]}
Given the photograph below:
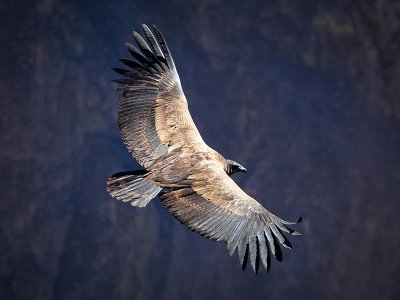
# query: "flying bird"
{"points": [[192, 179]]}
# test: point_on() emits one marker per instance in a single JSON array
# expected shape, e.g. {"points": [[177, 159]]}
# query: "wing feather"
{"points": [[214, 206], [154, 45], [264, 252], [164, 48], [253, 252], [153, 114]]}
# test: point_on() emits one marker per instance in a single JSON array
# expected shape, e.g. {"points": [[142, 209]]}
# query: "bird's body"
{"points": [[191, 178]]}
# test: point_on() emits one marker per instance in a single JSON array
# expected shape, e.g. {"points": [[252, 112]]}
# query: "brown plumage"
{"points": [[192, 179]]}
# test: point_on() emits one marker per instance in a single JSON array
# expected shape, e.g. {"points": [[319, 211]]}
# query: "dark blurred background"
{"points": [[304, 94]]}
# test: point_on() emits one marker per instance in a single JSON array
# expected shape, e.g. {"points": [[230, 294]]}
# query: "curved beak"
{"points": [[242, 169]]}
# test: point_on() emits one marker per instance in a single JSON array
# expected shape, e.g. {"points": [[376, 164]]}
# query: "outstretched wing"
{"points": [[153, 113], [212, 204]]}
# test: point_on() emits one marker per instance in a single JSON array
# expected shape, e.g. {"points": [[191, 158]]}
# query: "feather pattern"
{"points": [[157, 128], [153, 114], [225, 214]]}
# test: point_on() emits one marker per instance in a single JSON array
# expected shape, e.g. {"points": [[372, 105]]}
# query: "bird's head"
{"points": [[233, 167]]}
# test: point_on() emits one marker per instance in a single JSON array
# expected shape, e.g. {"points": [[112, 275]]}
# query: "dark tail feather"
{"points": [[132, 187]]}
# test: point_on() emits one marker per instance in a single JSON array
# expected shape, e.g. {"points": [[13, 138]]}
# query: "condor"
{"points": [[191, 178]]}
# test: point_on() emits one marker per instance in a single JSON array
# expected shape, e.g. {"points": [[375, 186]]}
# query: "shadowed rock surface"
{"points": [[304, 96]]}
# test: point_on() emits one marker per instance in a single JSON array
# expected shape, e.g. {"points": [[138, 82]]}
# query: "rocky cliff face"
{"points": [[305, 96]]}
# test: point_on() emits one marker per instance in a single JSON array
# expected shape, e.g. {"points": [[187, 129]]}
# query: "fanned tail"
{"points": [[132, 187]]}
